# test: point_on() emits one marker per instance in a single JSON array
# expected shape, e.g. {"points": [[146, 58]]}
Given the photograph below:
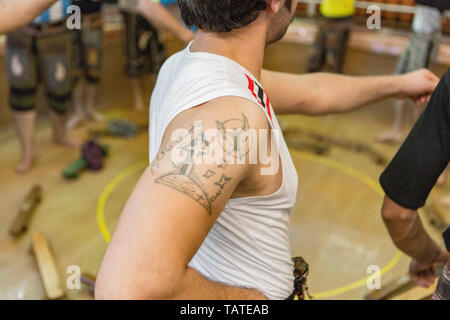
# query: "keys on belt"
{"points": [[301, 271]]}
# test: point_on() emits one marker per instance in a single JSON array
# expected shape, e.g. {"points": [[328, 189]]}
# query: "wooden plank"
{"points": [[29, 204], [418, 293], [47, 267], [390, 288]]}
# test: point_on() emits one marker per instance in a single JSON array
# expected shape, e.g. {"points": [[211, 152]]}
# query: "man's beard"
{"points": [[280, 23]]}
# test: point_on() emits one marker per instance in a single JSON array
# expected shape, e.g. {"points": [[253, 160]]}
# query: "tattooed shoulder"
{"points": [[180, 163]]}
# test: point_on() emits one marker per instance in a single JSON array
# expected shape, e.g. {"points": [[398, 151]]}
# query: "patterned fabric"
{"points": [[88, 48], [424, 40], [330, 45], [31, 60], [443, 287], [144, 51], [427, 20], [421, 50], [56, 12]]}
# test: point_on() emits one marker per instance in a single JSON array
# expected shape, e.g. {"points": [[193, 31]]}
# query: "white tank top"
{"points": [[248, 245]]}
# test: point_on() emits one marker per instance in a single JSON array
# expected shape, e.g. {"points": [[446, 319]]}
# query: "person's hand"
{"points": [[423, 274], [418, 85]]}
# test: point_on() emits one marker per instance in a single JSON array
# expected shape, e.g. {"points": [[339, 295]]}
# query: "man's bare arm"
{"points": [[407, 232], [324, 93], [171, 211], [162, 19], [16, 13]]}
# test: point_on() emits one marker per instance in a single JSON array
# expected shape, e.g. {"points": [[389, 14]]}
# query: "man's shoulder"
{"points": [[200, 70], [228, 110], [182, 62]]}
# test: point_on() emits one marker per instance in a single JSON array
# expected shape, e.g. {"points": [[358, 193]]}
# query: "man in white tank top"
{"points": [[209, 218]]}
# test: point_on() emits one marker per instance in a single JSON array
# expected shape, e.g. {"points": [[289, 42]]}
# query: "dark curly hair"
{"points": [[220, 15]]}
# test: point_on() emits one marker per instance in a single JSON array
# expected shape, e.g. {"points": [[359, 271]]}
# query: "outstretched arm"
{"points": [[162, 19], [409, 179], [324, 93], [15, 13], [171, 211]]}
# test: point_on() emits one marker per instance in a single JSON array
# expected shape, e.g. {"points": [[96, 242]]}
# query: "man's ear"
{"points": [[273, 5]]}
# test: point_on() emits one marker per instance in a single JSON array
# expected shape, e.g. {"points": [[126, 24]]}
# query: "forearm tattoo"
{"points": [[188, 173]]}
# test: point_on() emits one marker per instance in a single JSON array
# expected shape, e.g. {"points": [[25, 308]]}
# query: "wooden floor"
{"points": [[336, 224]]}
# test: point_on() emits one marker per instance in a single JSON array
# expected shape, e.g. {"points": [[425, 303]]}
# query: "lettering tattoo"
{"points": [[204, 185]]}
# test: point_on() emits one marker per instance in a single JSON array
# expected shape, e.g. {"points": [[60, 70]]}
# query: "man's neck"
{"points": [[245, 46]]}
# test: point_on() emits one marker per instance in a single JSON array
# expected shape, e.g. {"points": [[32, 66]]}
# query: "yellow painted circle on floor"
{"points": [[112, 185]]}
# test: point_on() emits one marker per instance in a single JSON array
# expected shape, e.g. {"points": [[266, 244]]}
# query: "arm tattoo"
{"points": [[188, 176]]}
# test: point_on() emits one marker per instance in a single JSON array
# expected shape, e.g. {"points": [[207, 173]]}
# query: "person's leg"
{"points": [[134, 59], [60, 136], [342, 45], [93, 57], [138, 96], [91, 102], [336, 44], [24, 122], [395, 135], [22, 77], [78, 116], [418, 54], [55, 53], [150, 46], [331, 41], [317, 59]]}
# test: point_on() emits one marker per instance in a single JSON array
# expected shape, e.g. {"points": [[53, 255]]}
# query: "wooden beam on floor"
{"points": [[417, 293], [29, 204], [390, 288], [47, 267]]}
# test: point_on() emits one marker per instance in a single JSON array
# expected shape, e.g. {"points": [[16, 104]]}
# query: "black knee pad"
{"points": [[92, 77], [22, 99], [59, 104]]}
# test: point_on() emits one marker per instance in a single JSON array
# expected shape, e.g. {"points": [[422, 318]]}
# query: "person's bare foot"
{"points": [[25, 164], [75, 121], [66, 142], [390, 137], [138, 100], [95, 116], [139, 105]]}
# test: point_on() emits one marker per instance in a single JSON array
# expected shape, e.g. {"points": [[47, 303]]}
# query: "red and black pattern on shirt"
{"points": [[260, 95]]}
